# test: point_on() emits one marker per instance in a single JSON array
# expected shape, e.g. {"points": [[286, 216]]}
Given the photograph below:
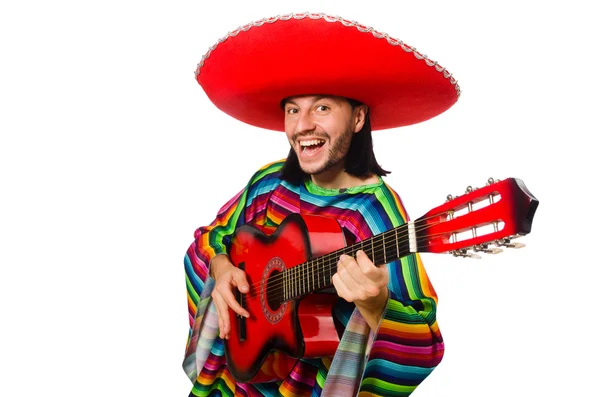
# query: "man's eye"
{"points": [[322, 108], [292, 111]]}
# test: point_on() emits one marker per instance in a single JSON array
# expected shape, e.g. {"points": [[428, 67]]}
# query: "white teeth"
{"points": [[311, 143]]}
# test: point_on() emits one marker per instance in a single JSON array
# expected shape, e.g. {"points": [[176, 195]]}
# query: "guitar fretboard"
{"points": [[316, 273]]}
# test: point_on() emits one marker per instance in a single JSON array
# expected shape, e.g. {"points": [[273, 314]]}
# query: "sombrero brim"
{"points": [[248, 72]]}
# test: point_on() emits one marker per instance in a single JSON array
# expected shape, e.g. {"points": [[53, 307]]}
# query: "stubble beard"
{"points": [[337, 153]]}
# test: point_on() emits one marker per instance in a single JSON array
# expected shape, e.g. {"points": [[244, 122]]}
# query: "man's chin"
{"points": [[312, 169], [315, 169]]}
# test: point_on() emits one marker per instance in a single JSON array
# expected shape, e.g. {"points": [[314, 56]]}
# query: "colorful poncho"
{"points": [[392, 361]]}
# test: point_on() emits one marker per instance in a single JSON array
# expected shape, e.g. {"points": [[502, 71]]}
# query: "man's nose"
{"points": [[304, 122]]}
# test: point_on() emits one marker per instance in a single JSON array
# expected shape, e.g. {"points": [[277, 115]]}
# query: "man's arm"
{"points": [[408, 344], [206, 259]]}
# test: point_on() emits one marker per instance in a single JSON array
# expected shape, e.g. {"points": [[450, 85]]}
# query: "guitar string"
{"points": [[329, 261], [326, 260], [275, 291], [326, 264], [299, 290]]}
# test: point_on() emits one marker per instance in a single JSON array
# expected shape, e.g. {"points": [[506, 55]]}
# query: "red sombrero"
{"points": [[249, 71]]}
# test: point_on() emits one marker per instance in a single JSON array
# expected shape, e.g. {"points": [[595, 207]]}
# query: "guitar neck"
{"points": [[316, 273], [496, 213]]}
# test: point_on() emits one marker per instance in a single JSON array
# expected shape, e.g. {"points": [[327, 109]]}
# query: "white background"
{"points": [[111, 155]]}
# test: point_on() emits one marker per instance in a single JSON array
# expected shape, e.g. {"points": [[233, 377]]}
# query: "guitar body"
{"points": [[296, 328]]}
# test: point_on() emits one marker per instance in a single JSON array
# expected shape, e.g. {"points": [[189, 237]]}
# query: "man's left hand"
{"points": [[360, 281]]}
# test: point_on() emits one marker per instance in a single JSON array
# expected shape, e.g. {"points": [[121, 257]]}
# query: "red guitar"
{"points": [[284, 269]]}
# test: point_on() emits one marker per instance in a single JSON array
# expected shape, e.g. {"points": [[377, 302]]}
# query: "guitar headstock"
{"points": [[483, 219]]}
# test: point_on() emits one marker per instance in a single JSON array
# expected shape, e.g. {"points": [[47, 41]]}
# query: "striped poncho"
{"points": [[392, 361]]}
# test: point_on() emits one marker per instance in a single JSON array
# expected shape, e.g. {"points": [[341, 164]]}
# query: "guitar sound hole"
{"points": [[274, 288]]}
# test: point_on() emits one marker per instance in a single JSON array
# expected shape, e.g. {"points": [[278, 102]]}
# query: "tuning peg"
{"points": [[469, 189], [505, 242], [491, 181], [464, 253], [515, 245], [449, 197], [486, 249]]}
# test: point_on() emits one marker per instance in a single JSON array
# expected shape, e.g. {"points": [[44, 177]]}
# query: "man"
{"points": [[304, 75]]}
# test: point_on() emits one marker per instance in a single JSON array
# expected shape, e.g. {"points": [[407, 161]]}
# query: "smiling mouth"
{"points": [[312, 145]]}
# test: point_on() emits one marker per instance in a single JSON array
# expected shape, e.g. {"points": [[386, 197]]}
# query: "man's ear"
{"points": [[359, 117]]}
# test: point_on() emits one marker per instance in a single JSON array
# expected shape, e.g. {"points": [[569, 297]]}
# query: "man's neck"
{"points": [[341, 180]]}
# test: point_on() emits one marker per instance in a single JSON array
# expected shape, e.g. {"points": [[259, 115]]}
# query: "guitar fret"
{"points": [[317, 273], [304, 278], [295, 280], [301, 280], [284, 275], [323, 273], [384, 248], [292, 283], [300, 286], [397, 248], [298, 276], [326, 269], [313, 275], [307, 279]]}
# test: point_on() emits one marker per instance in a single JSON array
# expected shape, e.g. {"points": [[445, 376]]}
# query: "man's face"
{"points": [[319, 129]]}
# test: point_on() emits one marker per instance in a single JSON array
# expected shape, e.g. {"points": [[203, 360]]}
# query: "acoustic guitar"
{"points": [[288, 266]]}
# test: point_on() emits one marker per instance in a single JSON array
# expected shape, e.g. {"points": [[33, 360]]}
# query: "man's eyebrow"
{"points": [[316, 99], [319, 97]]}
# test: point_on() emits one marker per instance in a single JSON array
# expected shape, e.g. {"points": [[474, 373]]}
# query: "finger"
{"points": [[359, 289], [239, 280], [229, 298], [361, 286], [363, 261], [368, 268], [222, 313], [341, 288], [347, 267]]}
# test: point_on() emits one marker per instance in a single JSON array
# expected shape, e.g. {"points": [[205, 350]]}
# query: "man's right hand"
{"points": [[227, 278]]}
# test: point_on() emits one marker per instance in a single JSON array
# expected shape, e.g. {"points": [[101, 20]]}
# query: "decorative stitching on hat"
{"points": [[345, 22]]}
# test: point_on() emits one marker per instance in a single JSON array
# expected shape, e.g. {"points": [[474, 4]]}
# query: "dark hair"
{"points": [[359, 161]]}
